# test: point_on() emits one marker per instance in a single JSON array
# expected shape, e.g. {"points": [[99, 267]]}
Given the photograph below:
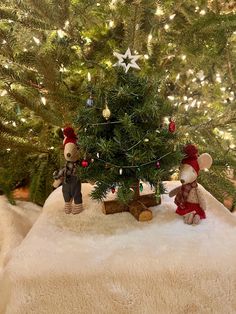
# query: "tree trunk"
{"points": [[135, 187]]}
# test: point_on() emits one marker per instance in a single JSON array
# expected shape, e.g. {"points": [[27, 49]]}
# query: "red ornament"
{"points": [[158, 165], [172, 126], [84, 163], [113, 190]]}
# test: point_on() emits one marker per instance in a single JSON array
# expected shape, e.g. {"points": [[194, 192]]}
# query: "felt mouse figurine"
{"points": [[71, 185], [188, 197]]}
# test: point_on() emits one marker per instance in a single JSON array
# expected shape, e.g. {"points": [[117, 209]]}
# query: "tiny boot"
{"points": [[196, 219], [77, 208], [188, 219], [68, 207]]}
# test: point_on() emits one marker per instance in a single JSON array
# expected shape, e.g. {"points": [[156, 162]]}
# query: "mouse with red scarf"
{"points": [[67, 176], [189, 198]]}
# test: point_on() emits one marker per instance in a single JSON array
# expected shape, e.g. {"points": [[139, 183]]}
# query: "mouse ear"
{"points": [[205, 161]]}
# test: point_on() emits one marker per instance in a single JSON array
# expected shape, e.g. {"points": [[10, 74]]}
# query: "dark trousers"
{"points": [[72, 190]]}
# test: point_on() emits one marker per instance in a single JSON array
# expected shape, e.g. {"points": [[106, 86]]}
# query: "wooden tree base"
{"points": [[139, 207]]}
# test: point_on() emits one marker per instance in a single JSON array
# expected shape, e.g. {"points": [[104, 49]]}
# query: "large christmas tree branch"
{"points": [[18, 143], [35, 107]]}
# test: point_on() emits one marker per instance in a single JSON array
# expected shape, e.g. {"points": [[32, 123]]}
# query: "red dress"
{"points": [[190, 207]]}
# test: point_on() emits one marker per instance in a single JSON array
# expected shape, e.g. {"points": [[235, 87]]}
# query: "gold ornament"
{"points": [[106, 113]]}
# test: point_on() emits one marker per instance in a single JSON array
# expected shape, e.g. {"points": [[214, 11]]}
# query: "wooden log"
{"points": [[113, 207], [140, 211], [149, 200]]}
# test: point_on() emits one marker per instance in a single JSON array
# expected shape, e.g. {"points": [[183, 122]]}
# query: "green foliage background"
{"points": [[48, 47]]}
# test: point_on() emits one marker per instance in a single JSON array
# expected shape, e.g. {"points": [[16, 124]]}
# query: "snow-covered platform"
{"points": [[91, 263]]}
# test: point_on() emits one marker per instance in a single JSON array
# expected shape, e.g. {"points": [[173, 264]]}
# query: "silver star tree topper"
{"points": [[124, 58]]}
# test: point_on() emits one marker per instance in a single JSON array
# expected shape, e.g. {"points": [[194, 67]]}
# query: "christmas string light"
{"points": [[119, 122], [166, 27], [61, 33], [43, 100], [111, 24], [3, 93], [149, 38], [137, 166], [66, 26], [159, 11], [134, 146], [202, 12], [105, 123], [113, 4], [36, 40]]}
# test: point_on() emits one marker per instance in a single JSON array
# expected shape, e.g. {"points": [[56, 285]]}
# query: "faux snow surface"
{"points": [[92, 263], [15, 223]]}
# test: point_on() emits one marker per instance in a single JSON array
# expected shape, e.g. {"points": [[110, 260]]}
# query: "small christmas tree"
{"points": [[126, 138]]}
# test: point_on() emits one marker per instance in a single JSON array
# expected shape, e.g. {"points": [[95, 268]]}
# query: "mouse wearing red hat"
{"points": [[189, 198], [71, 184]]}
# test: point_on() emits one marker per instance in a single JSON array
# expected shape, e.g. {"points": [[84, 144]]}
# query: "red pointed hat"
{"points": [[70, 136], [191, 153]]}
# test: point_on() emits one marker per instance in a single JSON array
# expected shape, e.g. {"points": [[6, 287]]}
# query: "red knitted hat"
{"points": [[70, 136], [191, 153]]}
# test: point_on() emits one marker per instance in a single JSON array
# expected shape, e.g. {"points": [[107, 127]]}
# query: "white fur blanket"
{"points": [[15, 223], [92, 263]]}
